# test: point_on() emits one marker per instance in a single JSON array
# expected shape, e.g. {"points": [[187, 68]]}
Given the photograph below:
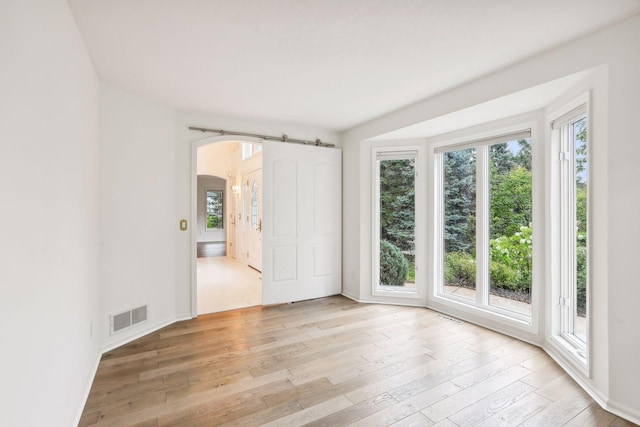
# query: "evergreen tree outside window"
{"points": [[214, 209], [486, 249], [459, 190], [395, 253]]}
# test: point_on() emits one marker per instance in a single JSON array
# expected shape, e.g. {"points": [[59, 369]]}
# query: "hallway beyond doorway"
{"points": [[226, 284]]}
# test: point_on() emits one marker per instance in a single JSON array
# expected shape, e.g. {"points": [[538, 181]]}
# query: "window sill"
{"points": [[521, 323], [399, 292], [573, 355]]}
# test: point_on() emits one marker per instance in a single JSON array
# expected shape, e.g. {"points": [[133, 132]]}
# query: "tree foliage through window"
{"points": [[214, 209]]}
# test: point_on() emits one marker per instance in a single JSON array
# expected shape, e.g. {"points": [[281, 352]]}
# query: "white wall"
{"points": [[48, 219], [138, 226], [624, 205], [616, 377], [220, 159], [351, 215]]}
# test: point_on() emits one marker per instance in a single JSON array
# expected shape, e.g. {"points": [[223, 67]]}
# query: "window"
{"points": [[254, 205], [214, 209], [485, 247], [249, 149], [394, 255], [570, 139]]}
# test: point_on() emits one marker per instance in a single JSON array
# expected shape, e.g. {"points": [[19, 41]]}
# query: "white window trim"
{"points": [[399, 152], [436, 295], [573, 350]]}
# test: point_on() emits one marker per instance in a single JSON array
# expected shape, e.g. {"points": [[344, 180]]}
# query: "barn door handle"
{"points": [[260, 225]]}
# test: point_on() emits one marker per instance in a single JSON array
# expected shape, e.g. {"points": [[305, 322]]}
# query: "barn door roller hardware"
{"points": [[283, 138]]}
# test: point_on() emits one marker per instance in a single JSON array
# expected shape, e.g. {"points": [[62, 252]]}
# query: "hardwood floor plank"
{"points": [[518, 412], [133, 403], [445, 423], [266, 415], [300, 392], [490, 405], [619, 422], [440, 376], [473, 394], [355, 412], [88, 418], [313, 413], [205, 361], [333, 362], [491, 369], [562, 411], [382, 369], [115, 361], [594, 416], [405, 378], [200, 384], [411, 406], [558, 387], [539, 379], [415, 420]]}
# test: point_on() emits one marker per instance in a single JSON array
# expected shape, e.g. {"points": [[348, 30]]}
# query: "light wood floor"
{"points": [[226, 284], [333, 362]]}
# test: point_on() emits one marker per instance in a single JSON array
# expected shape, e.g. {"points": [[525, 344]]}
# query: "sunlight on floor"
{"points": [[226, 284]]}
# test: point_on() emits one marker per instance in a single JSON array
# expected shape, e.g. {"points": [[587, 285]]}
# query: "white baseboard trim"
{"points": [[185, 316], [142, 332], [366, 301], [87, 389], [623, 411], [607, 404], [351, 297]]}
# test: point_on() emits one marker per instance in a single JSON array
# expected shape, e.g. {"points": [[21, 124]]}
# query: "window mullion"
{"points": [[571, 231], [482, 226], [565, 209]]}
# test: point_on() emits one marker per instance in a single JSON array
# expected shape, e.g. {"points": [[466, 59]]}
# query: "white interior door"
{"points": [[302, 222], [254, 219]]}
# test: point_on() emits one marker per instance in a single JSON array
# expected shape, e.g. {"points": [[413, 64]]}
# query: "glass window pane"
{"points": [[254, 205], [510, 244], [581, 173], [397, 223], [459, 188], [214, 209]]}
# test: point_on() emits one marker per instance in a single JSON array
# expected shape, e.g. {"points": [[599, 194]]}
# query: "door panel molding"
{"points": [[303, 213]]}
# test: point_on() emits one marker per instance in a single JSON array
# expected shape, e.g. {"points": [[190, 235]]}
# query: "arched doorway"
{"points": [[226, 218]]}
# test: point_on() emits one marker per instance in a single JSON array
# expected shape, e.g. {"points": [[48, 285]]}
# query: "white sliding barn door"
{"points": [[302, 205]]}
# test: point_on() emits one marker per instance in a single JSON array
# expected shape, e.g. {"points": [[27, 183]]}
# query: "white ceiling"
{"points": [[327, 63], [524, 101]]}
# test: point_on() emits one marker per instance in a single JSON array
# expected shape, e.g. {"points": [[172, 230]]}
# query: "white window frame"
{"points": [[398, 153], [562, 234], [480, 306], [249, 150]]}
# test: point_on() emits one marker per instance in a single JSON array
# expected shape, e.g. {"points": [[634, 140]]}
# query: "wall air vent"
{"points": [[138, 315], [450, 319], [128, 318]]}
